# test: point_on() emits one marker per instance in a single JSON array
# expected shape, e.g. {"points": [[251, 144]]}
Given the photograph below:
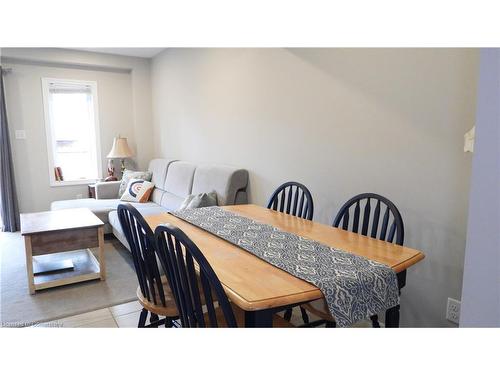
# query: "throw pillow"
{"points": [[199, 200], [137, 191], [128, 174]]}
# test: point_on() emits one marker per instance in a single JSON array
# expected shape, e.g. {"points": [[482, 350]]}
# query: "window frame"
{"points": [[49, 131]]}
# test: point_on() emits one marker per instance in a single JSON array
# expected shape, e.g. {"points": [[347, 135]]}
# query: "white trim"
{"points": [[49, 132], [75, 182]]}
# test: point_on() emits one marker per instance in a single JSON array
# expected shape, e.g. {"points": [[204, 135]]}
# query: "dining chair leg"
{"points": [[169, 323], [142, 318], [375, 323], [330, 324], [154, 320], [305, 317], [288, 315]]}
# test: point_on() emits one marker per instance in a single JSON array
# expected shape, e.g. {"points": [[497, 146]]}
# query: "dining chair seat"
{"points": [[170, 309]]}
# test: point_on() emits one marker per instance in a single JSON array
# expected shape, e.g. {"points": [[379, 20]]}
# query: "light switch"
{"points": [[469, 140], [20, 134]]}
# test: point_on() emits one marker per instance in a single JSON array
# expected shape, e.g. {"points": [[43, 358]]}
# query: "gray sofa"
{"points": [[174, 180]]}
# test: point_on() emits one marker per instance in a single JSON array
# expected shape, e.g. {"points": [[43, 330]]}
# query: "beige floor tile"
{"points": [[125, 308], [128, 320], [105, 323], [52, 324], [85, 319]]}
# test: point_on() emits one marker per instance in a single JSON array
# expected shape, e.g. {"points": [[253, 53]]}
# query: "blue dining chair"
{"points": [[368, 214], [295, 199], [292, 198], [153, 293], [193, 290]]}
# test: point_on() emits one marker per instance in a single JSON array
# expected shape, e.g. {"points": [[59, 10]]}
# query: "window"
{"points": [[72, 127]]}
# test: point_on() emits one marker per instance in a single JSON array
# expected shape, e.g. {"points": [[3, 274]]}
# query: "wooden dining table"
{"points": [[261, 289]]}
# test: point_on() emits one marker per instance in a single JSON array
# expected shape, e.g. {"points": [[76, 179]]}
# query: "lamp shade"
{"points": [[120, 149]]}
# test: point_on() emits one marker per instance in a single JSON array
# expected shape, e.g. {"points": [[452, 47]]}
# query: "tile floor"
{"points": [[119, 316], [127, 316]]}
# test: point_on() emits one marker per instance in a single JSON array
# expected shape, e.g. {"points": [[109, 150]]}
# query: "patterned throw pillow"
{"points": [[137, 191], [128, 174], [199, 200]]}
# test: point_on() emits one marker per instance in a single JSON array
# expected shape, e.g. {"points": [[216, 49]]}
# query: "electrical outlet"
{"points": [[79, 196], [453, 310]]}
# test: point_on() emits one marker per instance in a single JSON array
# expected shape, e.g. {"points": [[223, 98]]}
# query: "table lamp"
{"points": [[120, 150]]}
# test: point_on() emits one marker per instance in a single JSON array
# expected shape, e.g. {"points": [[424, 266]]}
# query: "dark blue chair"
{"points": [[386, 224], [292, 198], [295, 199], [154, 293], [371, 215], [193, 282]]}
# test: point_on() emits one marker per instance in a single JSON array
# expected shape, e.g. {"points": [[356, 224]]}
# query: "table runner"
{"points": [[354, 287]]}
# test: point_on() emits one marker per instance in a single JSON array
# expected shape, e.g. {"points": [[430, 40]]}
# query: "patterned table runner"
{"points": [[354, 287]]}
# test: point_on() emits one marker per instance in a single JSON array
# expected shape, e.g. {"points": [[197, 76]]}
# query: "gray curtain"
{"points": [[8, 199]]}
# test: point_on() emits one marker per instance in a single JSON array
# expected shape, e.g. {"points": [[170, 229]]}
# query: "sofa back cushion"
{"points": [[179, 179], [226, 181], [171, 201], [158, 167], [175, 180]]}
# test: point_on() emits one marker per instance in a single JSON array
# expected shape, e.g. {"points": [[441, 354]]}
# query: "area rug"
{"points": [[18, 308]]}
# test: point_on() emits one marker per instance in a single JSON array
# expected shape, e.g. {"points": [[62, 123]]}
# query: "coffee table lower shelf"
{"points": [[85, 267]]}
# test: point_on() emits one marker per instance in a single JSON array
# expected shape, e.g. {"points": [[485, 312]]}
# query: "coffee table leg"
{"points": [[29, 264], [102, 258]]}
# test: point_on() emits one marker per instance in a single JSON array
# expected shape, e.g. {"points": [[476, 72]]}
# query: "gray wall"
{"points": [[124, 93], [341, 121], [481, 284]]}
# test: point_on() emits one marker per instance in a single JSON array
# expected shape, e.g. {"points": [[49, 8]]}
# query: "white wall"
{"points": [[341, 121], [124, 93], [481, 284]]}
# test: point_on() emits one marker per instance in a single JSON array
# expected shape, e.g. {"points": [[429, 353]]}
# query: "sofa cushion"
{"points": [[145, 210], [225, 180], [156, 195], [179, 179], [171, 201], [158, 167]]}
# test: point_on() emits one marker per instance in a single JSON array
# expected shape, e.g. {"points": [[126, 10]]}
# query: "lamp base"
{"points": [[123, 166]]}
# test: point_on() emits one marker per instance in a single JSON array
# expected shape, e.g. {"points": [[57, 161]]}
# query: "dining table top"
{"points": [[253, 284]]}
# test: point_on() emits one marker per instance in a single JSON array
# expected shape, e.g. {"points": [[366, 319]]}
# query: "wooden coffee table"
{"points": [[58, 247]]}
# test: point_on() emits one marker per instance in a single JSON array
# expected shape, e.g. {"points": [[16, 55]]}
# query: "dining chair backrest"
{"points": [[193, 282], [140, 239], [373, 215], [292, 198]]}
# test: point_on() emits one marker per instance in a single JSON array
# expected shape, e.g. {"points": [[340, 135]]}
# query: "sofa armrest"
{"points": [[107, 190]]}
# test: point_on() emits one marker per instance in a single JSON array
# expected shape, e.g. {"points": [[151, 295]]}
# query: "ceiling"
{"points": [[135, 52]]}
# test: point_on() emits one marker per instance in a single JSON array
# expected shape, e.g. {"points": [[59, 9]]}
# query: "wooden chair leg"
{"points": [[142, 318], [331, 324], [375, 323]]}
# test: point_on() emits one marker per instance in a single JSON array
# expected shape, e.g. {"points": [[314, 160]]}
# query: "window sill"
{"points": [[73, 183]]}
